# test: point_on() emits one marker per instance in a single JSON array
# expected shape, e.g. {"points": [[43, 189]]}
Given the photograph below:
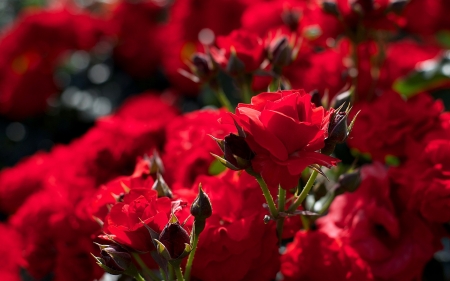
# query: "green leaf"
{"points": [[216, 168], [443, 37], [427, 76], [391, 160]]}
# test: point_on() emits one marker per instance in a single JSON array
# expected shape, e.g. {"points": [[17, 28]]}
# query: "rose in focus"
{"points": [[285, 130]]}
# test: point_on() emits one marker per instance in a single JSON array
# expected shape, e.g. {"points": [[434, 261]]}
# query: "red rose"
{"points": [[235, 244], [315, 256], [240, 52], [188, 147], [285, 130], [386, 124], [107, 194], [140, 32], [424, 182], [30, 52], [11, 254], [395, 243], [125, 222], [308, 70]]}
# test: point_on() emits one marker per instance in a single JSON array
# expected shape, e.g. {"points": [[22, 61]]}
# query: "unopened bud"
{"points": [[348, 182], [397, 6], [173, 242], [114, 259], [156, 164], [291, 18], [315, 98], [161, 187], [330, 7], [234, 66], [237, 152], [201, 208], [280, 52], [202, 66]]}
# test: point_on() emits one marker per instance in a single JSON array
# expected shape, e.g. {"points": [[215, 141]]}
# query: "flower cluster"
{"points": [[271, 140]]}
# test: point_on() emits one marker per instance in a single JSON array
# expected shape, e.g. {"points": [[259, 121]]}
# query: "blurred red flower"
{"points": [[313, 255]]}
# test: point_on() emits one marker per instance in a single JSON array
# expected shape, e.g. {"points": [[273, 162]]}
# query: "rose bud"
{"points": [[161, 187], [237, 153], [201, 209], [174, 241], [202, 68], [279, 51], [315, 98], [156, 164], [291, 18], [338, 130], [348, 182], [330, 7], [397, 6], [114, 259]]}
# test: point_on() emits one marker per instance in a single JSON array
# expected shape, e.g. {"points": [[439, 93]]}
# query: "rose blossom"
{"points": [[236, 244], [285, 130], [125, 222], [241, 51], [424, 181], [313, 255], [395, 243]]}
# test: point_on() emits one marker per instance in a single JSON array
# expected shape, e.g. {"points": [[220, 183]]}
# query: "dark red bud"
{"points": [[201, 208], [237, 152], [280, 52], [174, 238], [348, 182], [330, 7], [115, 258]]}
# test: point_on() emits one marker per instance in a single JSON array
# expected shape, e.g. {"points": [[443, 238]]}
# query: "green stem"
{"points": [[178, 272], [187, 272], [247, 91], [144, 267], [304, 192], [171, 272], [224, 101], [272, 208], [305, 222], [281, 205], [163, 274], [138, 277]]}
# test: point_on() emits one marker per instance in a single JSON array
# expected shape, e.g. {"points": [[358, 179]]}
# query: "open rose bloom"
{"points": [[286, 132], [225, 140]]}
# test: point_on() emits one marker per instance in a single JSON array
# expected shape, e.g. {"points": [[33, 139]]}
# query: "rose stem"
{"points": [[138, 277], [187, 272], [273, 210], [163, 274], [220, 95], [304, 192], [281, 205], [170, 272], [178, 273], [247, 92], [144, 267]]}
